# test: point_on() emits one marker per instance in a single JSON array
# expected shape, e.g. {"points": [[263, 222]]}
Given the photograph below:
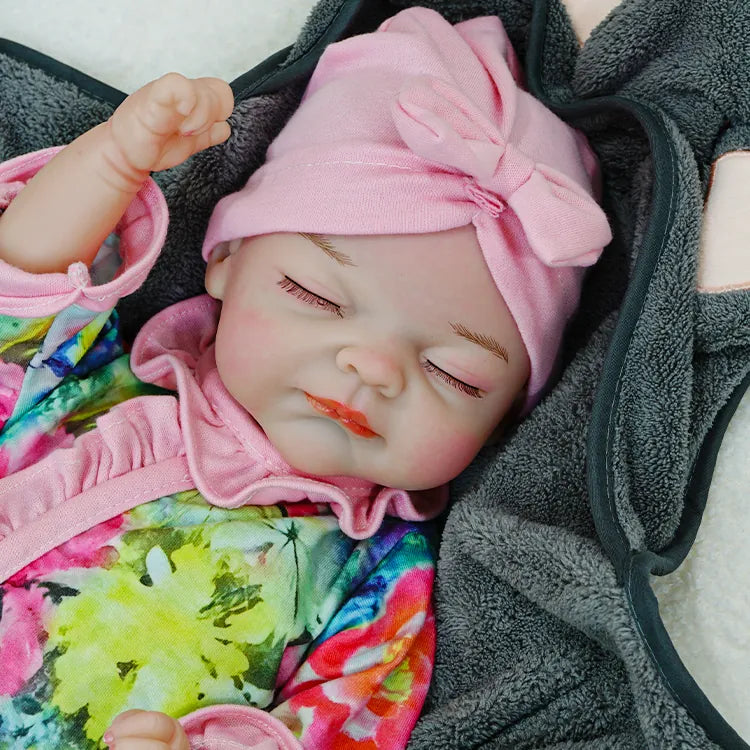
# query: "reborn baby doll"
{"points": [[192, 534]]}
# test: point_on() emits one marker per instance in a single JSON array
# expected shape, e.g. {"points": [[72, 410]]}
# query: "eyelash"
{"points": [[469, 390], [297, 290], [305, 295]]}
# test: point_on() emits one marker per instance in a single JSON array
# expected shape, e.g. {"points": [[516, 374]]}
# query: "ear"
{"points": [[218, 270]]}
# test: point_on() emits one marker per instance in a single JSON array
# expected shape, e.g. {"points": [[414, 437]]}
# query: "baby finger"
{"points": [[136, 724], [139, 743], [225, 96], [217, 133], [173, 90], [211, 106]]}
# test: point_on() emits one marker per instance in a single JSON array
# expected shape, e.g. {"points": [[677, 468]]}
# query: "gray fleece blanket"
{"points": [[548, 633]]}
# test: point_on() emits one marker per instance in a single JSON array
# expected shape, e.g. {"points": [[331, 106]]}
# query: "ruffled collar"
{"points": [[230, 458]]}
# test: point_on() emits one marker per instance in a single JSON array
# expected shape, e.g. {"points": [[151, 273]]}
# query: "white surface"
{"points": [[705, 603], [126, 43]]}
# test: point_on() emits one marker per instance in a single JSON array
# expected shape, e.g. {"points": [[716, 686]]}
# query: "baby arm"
{"points": [[70, 206]]}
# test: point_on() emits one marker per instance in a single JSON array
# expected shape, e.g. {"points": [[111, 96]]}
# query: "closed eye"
{"points": [[297, 290], [459, 385]]}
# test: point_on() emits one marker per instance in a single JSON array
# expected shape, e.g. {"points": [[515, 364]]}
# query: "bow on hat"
{"points": [[563, 224]]}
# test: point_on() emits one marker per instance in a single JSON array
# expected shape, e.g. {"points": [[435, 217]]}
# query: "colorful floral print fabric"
{"points": [[177, 604]]}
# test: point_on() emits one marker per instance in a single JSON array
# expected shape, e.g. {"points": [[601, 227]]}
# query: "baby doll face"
{"points": [[391, 358]]}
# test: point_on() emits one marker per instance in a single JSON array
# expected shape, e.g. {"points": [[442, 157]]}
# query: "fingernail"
{"points": [[108, 737], [187, 132]]}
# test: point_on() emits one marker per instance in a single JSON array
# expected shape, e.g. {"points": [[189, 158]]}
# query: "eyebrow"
{"points": [[486, 342], [327, 247]]}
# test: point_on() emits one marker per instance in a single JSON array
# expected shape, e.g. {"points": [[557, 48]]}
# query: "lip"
{"points": [[354, 421]]}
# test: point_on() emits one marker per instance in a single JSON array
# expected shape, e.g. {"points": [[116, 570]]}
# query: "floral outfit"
{"points": [[155, 550]]}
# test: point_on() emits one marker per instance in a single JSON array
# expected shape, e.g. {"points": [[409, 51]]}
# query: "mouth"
{"points": [[354, 421]]}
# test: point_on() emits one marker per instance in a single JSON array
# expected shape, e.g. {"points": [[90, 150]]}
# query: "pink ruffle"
{"points": [[233, 726], [134, 434], [141, 229]]}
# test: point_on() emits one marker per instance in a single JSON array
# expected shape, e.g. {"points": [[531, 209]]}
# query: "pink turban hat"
{"points": [[422, 126]]}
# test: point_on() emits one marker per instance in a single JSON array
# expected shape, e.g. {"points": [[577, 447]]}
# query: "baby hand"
{"points": [[146, 730], [168, 120]]}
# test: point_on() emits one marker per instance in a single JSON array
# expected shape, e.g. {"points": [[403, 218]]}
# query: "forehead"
{"points": [[435, 278], [442, 270]]}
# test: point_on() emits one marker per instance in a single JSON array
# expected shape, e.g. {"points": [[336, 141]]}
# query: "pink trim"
{"points": [[235, 727], [136, 433], [142, 230], [100, 503], [33, 530]]}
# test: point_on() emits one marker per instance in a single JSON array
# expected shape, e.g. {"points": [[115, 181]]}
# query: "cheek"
{"points": [[245, 342], [244, 332], [439, 458]]}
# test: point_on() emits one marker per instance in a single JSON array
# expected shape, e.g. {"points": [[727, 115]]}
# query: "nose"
{"points": [[375, 368]]}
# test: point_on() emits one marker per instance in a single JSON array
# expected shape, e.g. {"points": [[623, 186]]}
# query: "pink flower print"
{"points": [[11, 380], [305, 508], [87, 550], [20, 634], [32, 447], [4, 461]]}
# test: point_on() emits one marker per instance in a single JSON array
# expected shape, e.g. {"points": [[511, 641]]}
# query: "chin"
{"points": [[415, 485], [426, 480], [306, 461], [407, 482]]}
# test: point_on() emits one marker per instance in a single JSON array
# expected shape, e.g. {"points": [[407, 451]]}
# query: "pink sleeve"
{"points": [[233, 727], [141, 231]]}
